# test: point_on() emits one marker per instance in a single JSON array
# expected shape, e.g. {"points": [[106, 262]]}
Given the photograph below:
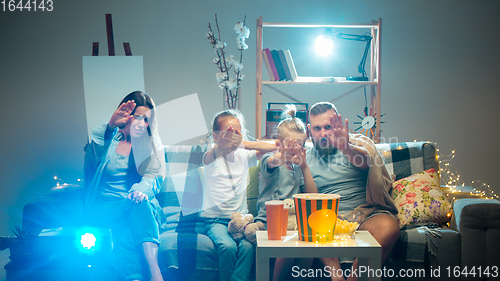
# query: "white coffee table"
{"points": [[362, 245]]}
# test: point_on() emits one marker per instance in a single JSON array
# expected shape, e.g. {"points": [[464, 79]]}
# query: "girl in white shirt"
{"points": [[226, 169]]}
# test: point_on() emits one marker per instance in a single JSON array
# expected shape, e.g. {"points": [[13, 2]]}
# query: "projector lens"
{"points": [[88, 240]]}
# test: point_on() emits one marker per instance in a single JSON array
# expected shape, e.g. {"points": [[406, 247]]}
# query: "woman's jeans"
{"points": [[131, 225], [235, 258]]}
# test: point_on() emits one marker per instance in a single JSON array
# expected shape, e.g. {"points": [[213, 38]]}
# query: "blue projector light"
{"points": [[88, 241]]}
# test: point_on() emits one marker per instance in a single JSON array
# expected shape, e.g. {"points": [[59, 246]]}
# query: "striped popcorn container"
{"points": [[316, 216]]}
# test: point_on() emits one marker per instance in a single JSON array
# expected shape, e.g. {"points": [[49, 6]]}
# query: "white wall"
{"points": [[439, 75]]}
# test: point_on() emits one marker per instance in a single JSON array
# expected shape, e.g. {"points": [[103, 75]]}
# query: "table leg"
{"points": [[369, 269], [376, 264], [262, 266], [362, 266]]}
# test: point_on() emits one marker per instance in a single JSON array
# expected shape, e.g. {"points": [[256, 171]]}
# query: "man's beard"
{"points": [[324, 149]]}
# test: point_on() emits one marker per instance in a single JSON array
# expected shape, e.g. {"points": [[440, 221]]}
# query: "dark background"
{"points": [[440, 77]]}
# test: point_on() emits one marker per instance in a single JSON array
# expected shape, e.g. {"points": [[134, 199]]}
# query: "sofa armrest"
{"points": [[468, 208], [478, 221]]}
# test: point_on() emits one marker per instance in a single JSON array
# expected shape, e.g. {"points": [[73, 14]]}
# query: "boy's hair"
{"points": [[322, 107], [229, 113], [290, 122]]}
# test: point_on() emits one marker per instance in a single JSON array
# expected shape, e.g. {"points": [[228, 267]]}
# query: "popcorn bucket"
{"points": [[316, 216]]}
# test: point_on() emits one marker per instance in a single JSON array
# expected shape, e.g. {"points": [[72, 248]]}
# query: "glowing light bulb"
{"points": [[323, 45]]}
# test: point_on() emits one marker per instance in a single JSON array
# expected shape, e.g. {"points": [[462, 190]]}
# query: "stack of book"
{"points": [[279, 65]]}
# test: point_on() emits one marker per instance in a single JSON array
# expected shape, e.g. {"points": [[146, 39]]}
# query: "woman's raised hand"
{"points": [[122, 115]]}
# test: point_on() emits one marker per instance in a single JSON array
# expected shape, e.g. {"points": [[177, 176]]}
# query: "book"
{"points": [[291, 66], [284, 65], [271, 64], [268, 66], [278, 65]]}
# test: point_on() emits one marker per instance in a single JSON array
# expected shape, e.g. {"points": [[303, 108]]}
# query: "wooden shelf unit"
{"points": [[373, 69]]}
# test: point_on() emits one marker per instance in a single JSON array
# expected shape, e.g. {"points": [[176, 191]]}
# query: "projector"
{"points": [[75, 245]]}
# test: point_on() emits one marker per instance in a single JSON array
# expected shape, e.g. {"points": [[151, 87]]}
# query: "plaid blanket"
{"points": [[407, 158], [181, 193], [187, 252], [183, 246], [403, 160], [415, 241]]}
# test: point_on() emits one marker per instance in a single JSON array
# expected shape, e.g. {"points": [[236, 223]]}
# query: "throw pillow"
{"points": [[419, 199]]}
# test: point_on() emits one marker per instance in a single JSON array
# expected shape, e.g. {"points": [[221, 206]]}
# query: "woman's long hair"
{"points": [[147, 150]]}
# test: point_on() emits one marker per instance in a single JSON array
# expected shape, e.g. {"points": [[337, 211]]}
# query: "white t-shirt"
{"points": [[225, 184]]}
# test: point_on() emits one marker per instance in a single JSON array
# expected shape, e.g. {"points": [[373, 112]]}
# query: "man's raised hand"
{"points": [[340, 132]]}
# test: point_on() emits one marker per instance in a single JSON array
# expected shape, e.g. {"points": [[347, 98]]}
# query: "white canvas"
{"points": [[106, 81]]}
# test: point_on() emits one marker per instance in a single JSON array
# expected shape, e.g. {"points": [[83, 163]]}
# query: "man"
{"points": [[350, 165]]}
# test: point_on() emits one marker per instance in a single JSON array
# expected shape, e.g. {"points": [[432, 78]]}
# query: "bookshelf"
{"points": [[372, 69]]}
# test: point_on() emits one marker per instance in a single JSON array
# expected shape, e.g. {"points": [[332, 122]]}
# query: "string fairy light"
{"points": [[59, 181], [450, 179], [60, 184]]}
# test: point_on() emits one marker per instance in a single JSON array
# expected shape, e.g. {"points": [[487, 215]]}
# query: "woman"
{"points": [[124, 166]]}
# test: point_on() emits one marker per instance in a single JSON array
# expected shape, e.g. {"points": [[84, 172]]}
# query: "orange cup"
{"points": [[316, 216], [284, 220], [274, 214]]}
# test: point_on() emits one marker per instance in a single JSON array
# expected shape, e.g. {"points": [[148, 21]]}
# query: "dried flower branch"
{"points": [[228, 64]]}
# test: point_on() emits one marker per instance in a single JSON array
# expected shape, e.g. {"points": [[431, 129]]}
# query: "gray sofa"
{"points": [[186, 253]]}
